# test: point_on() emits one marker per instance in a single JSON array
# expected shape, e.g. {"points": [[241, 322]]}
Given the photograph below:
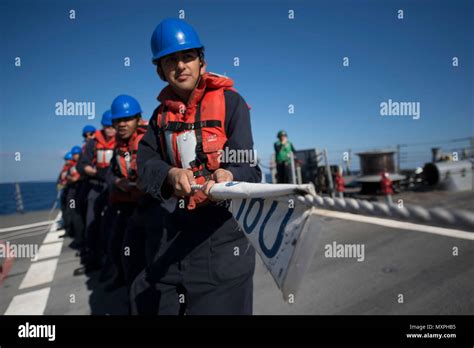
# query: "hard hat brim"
{"points": [[126, 115], [171, 50]]}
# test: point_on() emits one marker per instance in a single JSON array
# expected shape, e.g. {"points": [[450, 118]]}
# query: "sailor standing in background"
{"points": [[283, 149], [93, 164], [121, 180], [72, 207], [62, 185], [83, 187]]}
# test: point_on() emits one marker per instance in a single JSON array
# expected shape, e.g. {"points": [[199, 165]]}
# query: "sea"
{"points": [[35, 196]]}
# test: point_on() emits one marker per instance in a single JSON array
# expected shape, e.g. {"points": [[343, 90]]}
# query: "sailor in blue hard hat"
{"points": [[93, 165], [88, 132], [74, 219], [126, 114], [62, 185], [76, 150], [68, 156], [191, 268], [175, 41], [121, 178], [106, 120]]}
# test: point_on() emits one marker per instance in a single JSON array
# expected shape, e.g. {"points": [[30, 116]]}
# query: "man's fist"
{"points": [[91, 171], [220, 175], [181, 181]]}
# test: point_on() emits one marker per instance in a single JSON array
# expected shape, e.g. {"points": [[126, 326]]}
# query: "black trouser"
{"points": [[120, 214], [283, 172], [96, 201], [81, 204], [73, 210], [134, 260], [203, 265], [179, 294], [106, 226], [65, 212]]}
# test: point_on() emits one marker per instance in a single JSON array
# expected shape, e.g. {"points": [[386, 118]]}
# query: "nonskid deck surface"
{"points": [[431, 273]]}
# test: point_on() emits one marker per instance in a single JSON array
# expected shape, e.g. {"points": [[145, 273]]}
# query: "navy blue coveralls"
{"points": [[195, 268], [96, 203], [126, 244]]}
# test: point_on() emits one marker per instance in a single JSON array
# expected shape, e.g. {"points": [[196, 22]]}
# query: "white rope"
{"points": [[434, 216]]}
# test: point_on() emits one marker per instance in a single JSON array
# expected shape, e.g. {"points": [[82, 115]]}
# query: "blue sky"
{"points": [[282, 62]]}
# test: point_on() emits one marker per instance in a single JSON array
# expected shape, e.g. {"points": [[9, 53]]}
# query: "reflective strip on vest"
{"points": [[170, 148], [186, 145], [104, 156], [125, 158]]}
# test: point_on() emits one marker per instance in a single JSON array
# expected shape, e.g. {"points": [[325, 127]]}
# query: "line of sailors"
{"points": [[132, 197], [94, 215]]}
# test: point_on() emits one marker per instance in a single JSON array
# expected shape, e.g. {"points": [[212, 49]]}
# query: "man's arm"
{"points": [[239, 137], [111, 176], [152, 169], [85, 163]]}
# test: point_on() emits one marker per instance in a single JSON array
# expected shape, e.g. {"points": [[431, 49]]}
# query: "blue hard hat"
{"points": [[68, 156], [125, 106], [173, 35], [76, 150], [88, 129], [106, 119]]}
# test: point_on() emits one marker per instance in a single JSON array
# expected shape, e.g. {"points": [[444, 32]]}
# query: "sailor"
{"points": [[61, 185], [283, 149], [121, 180], [88, 133], [84, 186], [203, 263], [62, 180], [386, 186], [93, 164], [82, 191], [72, 204]]}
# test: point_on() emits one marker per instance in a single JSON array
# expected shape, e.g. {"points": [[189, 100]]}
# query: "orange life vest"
{"points": [[104, 150], [64, 172], [193, 136], [126, 156], [72, 171]]}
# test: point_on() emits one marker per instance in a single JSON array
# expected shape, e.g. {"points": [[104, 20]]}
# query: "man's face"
{"points": [[283, 138], [75, 157], [109, 131], [89, 135], [182, 69], [126, 126]]}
